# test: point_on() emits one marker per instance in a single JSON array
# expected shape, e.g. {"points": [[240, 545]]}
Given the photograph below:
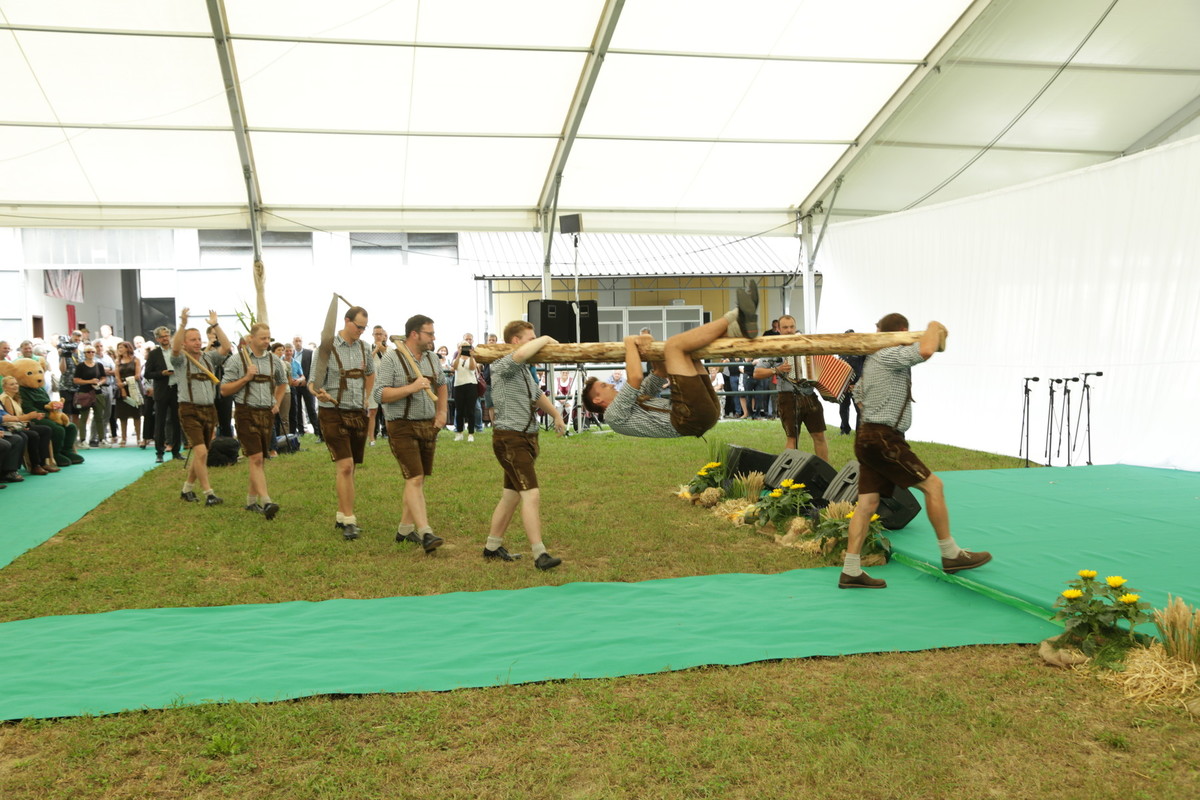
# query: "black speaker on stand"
{"points": [[553, 318]]}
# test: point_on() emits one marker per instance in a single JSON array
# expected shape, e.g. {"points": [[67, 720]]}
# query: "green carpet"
{"points": [[66, 496], [155, 658], [1044, 525]]}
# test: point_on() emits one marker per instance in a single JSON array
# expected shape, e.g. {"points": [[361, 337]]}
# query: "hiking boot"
{"points": [[411, 537], [863, 581], [270, 510], [546, 561], [965, 560], [431, 542], [747, 313], [189, 497], [212, 500], [499, 554], [350, 532]]}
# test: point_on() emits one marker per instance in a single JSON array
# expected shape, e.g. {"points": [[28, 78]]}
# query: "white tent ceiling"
{"points": [[699, 117]]}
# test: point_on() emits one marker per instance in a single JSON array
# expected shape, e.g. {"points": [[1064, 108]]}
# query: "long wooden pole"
{"points": [[762, 347], [402, 348]]}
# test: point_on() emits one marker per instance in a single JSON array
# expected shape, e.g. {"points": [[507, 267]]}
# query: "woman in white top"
{"points": [[466, 392]]}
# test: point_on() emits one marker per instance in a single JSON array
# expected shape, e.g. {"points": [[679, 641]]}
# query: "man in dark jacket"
{"points": [[166, 397], [300, 394]]}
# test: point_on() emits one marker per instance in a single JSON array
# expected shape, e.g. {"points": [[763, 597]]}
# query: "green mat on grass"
{"points": [[66, 496], [1044, 525], [155, 658]]}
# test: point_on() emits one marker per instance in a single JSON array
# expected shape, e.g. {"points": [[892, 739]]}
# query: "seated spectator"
{"points": [[37, 435]]}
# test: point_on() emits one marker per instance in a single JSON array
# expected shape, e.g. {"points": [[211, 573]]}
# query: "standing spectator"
{"points": [[109, 425], [308, 402], [447, 363], [283, 419], [90, 379], [69, 358], [466, 392], [129, 375], [489, 408], [378, 350], [847, 399], [166, 397]]}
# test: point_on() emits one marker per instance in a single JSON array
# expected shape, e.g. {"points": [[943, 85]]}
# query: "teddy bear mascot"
{"points": [[30, 375]]}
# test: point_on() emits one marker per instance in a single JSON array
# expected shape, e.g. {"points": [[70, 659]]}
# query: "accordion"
{"points": [[829, 375]]}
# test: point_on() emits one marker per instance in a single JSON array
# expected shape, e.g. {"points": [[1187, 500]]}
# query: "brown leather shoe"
{"points": [[965, 560], [863, 581], [51, 468], [38, 471]]}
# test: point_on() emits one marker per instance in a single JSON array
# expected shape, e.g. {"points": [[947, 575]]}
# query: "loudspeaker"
{"points": [[589, 321], [742, 460], [553, 318], [801, 467], [570, 223], [894, 512]]}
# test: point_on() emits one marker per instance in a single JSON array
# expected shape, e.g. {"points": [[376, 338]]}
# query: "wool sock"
{"points": [[425, 529], [405, 528], [538, 549], [853, 565], [209, 491], [494, 543], [734, 331], [187, 487], [341, 518], [350, 519], [264, 499], [251, 499], [949, 547]]}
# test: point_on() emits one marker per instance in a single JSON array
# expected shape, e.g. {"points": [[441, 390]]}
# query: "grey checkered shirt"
{"points": [[352, 358], [261, 394], [197, 392], [393, 375], [641, 412], [886, 384], [513, 391]]}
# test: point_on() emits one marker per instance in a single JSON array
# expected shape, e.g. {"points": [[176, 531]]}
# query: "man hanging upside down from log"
{"points": [[637, 410]]}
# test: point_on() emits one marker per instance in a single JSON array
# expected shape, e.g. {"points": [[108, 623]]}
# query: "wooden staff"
{"points": [[762, 347], [412, 362], [201, 367]]}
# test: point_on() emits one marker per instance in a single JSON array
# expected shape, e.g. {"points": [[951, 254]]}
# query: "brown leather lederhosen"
{"points": [[357, 373]]}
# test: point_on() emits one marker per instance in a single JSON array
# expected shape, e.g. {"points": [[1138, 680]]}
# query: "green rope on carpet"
{"points": [[986, 591]]}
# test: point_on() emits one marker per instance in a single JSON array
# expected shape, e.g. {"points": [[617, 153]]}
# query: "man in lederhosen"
{"points": [[197, 392], [406, 377], [257, 380], [343, 378]]}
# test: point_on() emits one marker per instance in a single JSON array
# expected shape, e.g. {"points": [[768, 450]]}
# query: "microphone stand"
{"points": [[1025, 423], [1067, 414], [1085, 403], [1050, 422]]}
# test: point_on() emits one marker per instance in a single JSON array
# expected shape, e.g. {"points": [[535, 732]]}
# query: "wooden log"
{"points": [[745, 349]]}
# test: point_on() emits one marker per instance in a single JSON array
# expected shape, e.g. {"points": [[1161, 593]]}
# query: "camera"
{"points": [[465, 350], [66, 346]]}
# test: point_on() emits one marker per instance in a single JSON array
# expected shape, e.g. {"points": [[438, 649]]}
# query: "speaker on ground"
{"points": [[801, 467], [894, 512]]}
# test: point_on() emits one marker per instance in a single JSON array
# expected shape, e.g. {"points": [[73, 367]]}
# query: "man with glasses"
{"points": [[407, 376], [343, 378]]}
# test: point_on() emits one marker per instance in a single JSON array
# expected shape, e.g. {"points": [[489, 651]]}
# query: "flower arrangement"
{"points": [[833, 533], [779, 505], [1090, 610], [710, 476]]}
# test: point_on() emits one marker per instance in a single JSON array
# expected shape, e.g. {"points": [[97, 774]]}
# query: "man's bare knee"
{"points": [[931, 486], [867, 503]]}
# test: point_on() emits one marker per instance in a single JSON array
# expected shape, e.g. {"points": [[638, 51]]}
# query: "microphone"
{"points": [[1031, 379], [1097, 374], [1071, 379], [1055, 380]]}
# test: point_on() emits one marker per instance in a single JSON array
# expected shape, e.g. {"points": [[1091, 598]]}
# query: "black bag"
{"points": [[223, 452], [287, 444], [85, 399]]}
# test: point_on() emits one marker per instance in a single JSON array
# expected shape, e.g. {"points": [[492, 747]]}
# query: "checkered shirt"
{"points": [[262, 394], [393, 375], [886, 384], [631, 411], [351, 355], [513, 391]]}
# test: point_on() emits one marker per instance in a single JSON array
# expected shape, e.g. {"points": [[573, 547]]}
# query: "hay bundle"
{"points": [[1179, 626], [1151, 676], [709, 497]]}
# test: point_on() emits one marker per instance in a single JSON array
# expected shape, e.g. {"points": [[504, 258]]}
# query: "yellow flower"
{"points": [[777, 493], [715, 464], [1130, 598], [850, 515], [1087, 573], [1072, 594], [702, 473], [1115, 581], [799, 485], [874, 518], [786, 483]]}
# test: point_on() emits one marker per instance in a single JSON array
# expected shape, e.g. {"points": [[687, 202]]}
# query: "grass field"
{"points": [[967, 722]]}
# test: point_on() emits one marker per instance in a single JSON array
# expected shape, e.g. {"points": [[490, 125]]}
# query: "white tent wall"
{"points": [[12, 286], [300, 281], [1091, 271]]}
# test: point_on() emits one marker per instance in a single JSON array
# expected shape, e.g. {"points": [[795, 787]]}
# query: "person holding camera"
{"points": [[466, 391]]}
